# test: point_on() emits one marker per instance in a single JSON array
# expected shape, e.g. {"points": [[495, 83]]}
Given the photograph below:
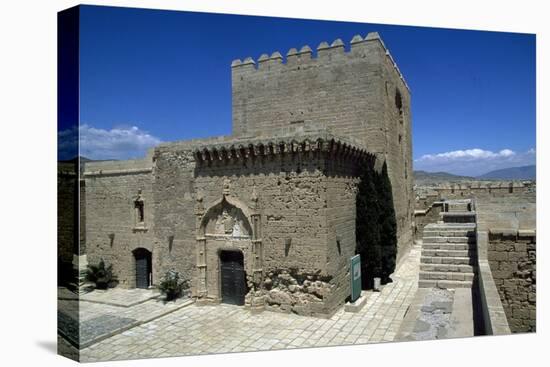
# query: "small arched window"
{"points": [[399, 105]]}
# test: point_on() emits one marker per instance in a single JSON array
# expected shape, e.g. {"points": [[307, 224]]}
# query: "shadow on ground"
{"points": [[48, 345]]}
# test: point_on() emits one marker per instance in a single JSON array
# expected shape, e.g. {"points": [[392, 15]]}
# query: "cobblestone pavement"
{"points": [[225, 328]]}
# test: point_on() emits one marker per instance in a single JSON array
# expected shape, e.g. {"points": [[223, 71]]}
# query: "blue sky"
{"points": [[149, 76]]}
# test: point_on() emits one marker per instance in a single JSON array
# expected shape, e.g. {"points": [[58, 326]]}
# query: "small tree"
{"points": [[100, 274], [375, 227], [387, 225], [367, 225], [171, 285]]}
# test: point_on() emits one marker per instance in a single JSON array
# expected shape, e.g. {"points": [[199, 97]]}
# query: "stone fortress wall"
{"points": [[280, 189], [358, 92], [112, 228], [305, 204]]}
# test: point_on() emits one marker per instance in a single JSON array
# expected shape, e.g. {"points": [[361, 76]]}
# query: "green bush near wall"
{"points": [[376, 228]]}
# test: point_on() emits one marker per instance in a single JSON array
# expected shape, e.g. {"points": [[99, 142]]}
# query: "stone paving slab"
{"points": [[462, 317], [435, 314], [83, 323], [91, 331], [114, 296], [438, 314], [225, 328], [121, 297], [413, 312]]}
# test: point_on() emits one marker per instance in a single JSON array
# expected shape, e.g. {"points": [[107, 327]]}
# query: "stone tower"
{"points": [[358, 92]]}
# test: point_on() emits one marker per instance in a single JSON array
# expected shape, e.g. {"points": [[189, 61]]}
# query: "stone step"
{"points": [[450, 233], [450, 226], [448, 284], [458, 268], [447, 253], [445, 275], [458, 217], [441, 239], [458, 213], [449, 246], [458, 208], [447, 260]]}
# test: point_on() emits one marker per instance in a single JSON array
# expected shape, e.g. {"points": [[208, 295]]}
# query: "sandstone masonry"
{"points": [[512, 257], [280, 191]]}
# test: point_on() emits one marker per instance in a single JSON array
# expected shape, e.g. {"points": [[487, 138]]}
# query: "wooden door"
{"points": [[233, 281], [143, 268]]}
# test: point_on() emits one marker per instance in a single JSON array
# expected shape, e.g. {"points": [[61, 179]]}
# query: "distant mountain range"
{"points": [[434, 177], [512, 173], [85, 159]]}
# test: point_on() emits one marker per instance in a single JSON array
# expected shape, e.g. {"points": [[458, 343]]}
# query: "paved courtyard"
{"points": [[225, 328], [102, 314]]}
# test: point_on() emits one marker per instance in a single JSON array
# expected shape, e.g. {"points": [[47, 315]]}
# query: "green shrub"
{"points": [[100, 274], [171, 285]]}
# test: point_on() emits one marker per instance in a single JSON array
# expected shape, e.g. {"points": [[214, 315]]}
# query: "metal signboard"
{"points": [[355, 268]]}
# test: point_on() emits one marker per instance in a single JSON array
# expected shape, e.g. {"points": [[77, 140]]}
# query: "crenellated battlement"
{"points": [[325, 53], [354, 88]]}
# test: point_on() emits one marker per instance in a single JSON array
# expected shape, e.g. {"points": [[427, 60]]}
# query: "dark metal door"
{"points": [[232, 277], [143, 268]]}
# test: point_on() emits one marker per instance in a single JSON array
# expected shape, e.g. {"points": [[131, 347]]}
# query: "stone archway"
{"points": [[228, 226], [226, 218]]}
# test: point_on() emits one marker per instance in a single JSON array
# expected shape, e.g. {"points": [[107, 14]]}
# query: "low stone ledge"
{"points": [[505, 232], [494, 317], [527, 232], [457, 214], [500, 233]]}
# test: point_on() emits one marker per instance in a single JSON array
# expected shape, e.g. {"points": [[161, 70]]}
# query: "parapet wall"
{"points": [[512, 258], [105, 168], [507, 233], [492, 311], [506, 213], [483, 189]]}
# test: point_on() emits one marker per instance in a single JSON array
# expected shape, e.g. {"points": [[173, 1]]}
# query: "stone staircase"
{"points": [[449, 249]]}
